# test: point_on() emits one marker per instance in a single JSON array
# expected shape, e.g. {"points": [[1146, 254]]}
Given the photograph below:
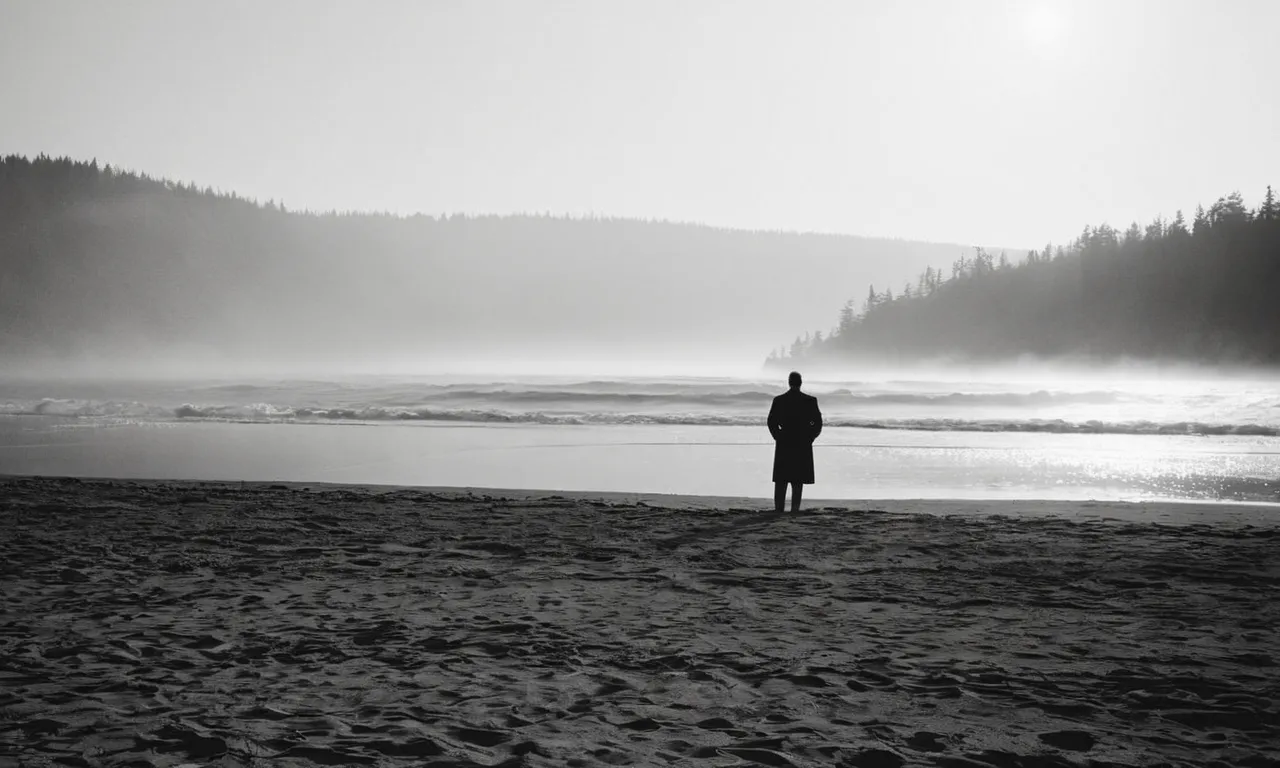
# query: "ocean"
{"points": [[979, 437]]}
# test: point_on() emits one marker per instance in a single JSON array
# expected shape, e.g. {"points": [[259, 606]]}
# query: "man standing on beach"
{"points": [[795, 422]]}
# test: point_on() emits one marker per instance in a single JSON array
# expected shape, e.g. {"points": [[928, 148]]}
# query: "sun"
{"points": [[1044, 25]]}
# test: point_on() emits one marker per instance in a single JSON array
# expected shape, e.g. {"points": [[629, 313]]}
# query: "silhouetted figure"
{"points": [[795, 422]]}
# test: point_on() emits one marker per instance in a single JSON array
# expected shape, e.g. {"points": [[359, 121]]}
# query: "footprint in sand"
{"points": [[1074, 741], [926, 741], [876, 758], [479, 736]]}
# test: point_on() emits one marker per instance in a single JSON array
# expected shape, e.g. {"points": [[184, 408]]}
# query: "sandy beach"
{"points": [[150, 623]]}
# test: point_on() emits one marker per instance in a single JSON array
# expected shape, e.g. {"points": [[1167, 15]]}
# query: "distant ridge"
{"points": [[1207, 292], [123, 266]]}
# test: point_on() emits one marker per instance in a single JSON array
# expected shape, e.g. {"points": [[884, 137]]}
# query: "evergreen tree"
{"points": [[1153, 292], [846, 316], [1155, 230], [1228, 209], [983, 262], [1269, 211], [1133, 234]]}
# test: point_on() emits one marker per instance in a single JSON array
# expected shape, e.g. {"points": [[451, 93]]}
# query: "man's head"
{"points": [[794, 380]]}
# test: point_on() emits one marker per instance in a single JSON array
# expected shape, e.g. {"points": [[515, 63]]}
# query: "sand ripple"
{"points": [[165, 624]]}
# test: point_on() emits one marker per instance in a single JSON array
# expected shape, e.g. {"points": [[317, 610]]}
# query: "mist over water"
{"points": [[109, 273], [153, 328], [1030, 431], [1048, 398], [413, 382]]}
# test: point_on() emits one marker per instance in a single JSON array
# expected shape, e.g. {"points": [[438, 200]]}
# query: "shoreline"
{"points": [[1163, 511], [640, 460]]}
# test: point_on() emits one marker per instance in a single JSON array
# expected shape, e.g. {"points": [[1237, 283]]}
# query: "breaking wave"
{"points": [[567, 415], [754, 398]]}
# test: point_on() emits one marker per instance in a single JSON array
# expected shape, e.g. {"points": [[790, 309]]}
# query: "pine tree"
{"points": [[982, 261], [1269, 211], [1229, 209], [1133, 234], [846, 316]]}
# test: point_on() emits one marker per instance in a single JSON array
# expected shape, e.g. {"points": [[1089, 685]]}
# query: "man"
{"points": [[795, 422]]}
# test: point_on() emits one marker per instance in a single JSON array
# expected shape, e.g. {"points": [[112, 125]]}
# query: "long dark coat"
{"points": [[795, 422]]}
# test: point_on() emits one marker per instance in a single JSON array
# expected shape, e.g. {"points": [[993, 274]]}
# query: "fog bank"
{"points": [[113, 271]]}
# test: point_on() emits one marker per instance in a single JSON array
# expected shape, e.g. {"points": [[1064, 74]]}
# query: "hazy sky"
{"points": [[1002, 123]]}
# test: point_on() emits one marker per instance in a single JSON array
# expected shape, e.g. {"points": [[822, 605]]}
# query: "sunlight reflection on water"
{"points": [[703, 460]]}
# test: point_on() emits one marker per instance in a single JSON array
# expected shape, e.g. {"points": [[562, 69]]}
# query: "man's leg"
{"points": [[796, 489], [779, 496]]}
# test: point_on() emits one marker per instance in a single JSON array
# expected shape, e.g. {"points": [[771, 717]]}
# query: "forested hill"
{"points": [[101, 261], [1207, 291]]}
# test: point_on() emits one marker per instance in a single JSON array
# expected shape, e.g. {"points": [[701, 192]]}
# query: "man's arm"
{"points": [[817, 420], [775, 428]]}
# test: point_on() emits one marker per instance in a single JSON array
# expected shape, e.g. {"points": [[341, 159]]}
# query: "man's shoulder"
{"points": [[795, 397]]}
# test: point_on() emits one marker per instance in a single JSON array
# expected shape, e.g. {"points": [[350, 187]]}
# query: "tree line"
{"points": [[95, 259], [1204, 291]]}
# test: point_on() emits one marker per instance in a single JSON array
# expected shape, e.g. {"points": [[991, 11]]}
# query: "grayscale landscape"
{"points": [[408, 383]]}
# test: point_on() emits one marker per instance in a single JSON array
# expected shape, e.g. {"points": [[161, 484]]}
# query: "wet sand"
{"points": [[170, 623]]}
